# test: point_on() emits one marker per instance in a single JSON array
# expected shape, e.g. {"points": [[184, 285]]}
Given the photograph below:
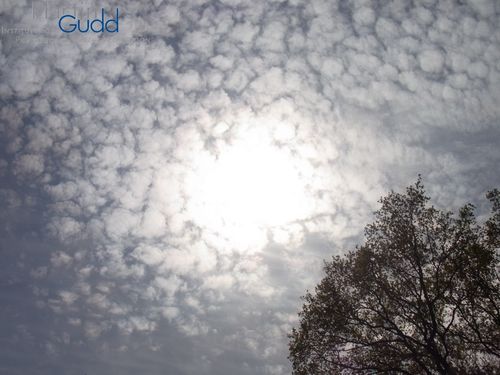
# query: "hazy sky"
{"points": [[168, 192]]}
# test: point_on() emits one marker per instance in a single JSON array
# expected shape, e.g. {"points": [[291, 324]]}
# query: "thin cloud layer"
{"points": [[186, 176]]}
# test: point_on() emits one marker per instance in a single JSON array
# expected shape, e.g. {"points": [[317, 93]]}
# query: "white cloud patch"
{"points": [[150, 255], [431, 61]]}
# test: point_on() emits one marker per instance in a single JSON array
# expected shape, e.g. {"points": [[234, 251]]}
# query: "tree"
{"points": [[420, 296]]}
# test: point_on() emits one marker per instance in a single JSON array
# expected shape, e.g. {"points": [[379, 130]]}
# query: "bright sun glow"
{"points": [[252, 186]]}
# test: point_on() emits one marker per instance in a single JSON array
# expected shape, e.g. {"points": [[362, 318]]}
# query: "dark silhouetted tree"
{"points": [[420, 296]]}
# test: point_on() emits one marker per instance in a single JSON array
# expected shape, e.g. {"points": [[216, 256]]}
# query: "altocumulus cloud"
{"points": [[126, 246]]}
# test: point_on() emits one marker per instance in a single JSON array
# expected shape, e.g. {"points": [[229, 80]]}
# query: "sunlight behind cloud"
{"points": [[252, 185]]}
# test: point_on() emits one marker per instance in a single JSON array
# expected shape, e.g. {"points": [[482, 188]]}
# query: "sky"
{"points": [[169, 191]]}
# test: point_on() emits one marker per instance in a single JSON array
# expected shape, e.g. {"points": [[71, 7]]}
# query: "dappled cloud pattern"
{"points": [[192, 171]]}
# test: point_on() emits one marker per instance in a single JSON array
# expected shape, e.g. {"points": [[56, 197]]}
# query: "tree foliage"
{"points": [[420, 296]]}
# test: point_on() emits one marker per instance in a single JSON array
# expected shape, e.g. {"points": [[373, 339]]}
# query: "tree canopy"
{"points": [[420, 296]]}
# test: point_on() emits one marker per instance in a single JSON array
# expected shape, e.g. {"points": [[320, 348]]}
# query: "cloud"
{"points": [[431, 61], [119, 139]]}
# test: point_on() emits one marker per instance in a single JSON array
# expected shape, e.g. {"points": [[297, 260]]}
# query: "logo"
{"points": [[67, 24]]}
